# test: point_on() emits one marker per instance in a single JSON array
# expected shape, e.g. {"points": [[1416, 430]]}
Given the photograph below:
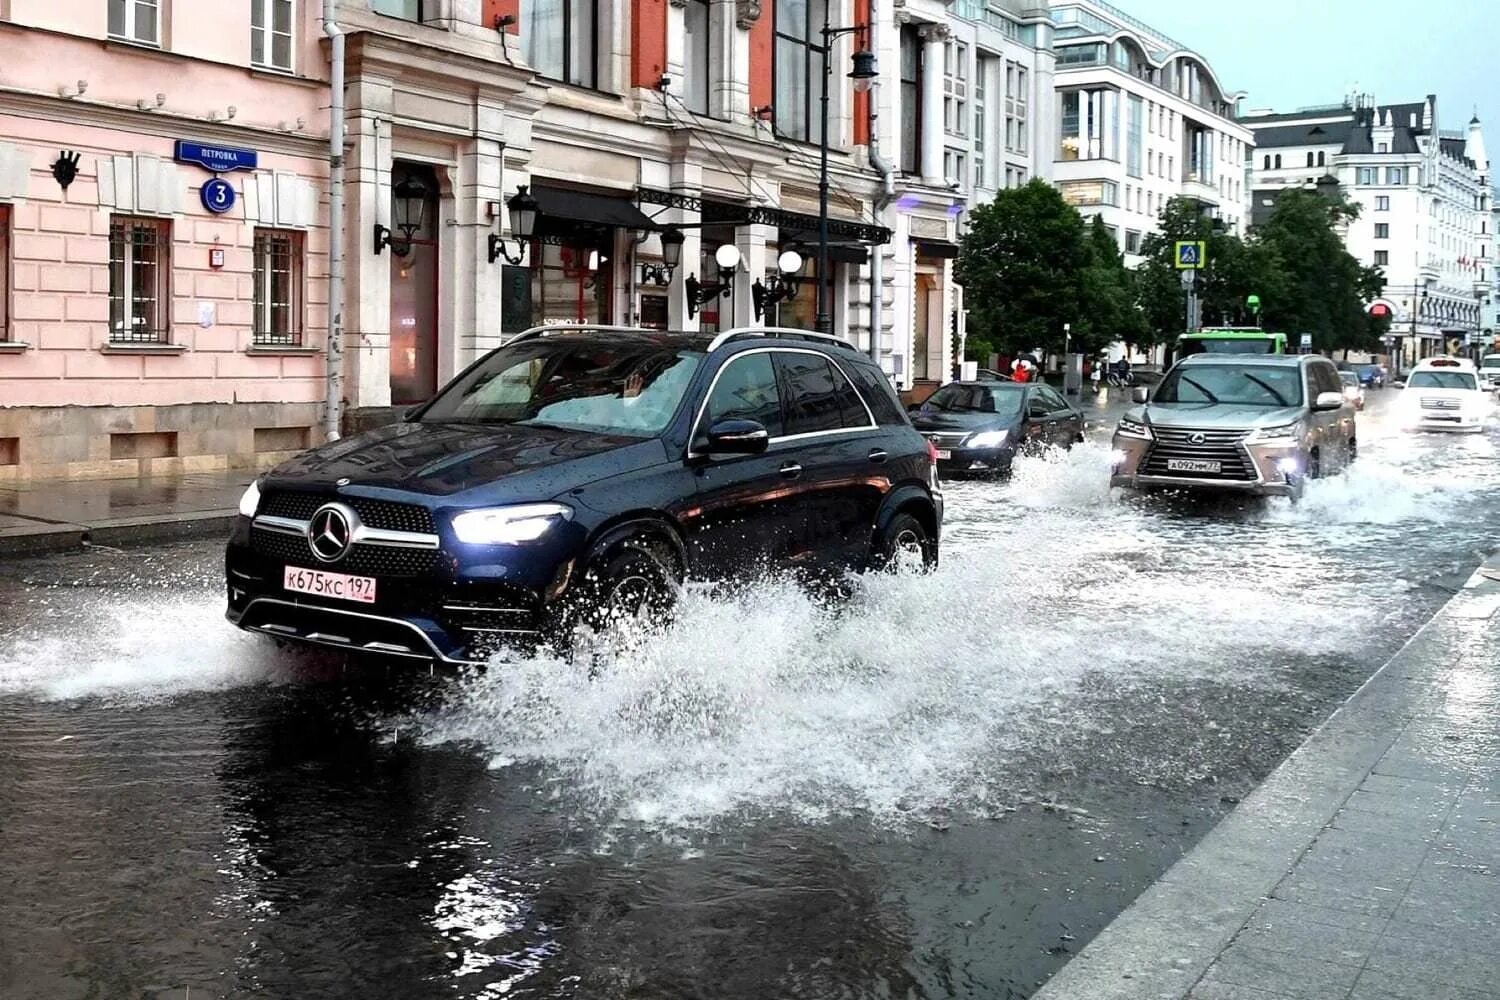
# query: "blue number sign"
{"points": [[217, 195]]}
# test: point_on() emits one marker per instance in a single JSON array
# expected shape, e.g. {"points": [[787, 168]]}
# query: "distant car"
{"points": [[1444, 394], [1373, 376], [979, 427], [1262, 425], [1353, 391], [1489, 371]]}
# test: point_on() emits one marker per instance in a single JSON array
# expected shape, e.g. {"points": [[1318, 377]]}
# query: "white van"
{"points": [[1444, 394], [1489, 371]]}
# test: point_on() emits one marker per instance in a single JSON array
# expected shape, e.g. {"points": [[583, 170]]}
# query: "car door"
{"points": [[738, 522], [834, 442], [1334, 427], [1064, 424]]}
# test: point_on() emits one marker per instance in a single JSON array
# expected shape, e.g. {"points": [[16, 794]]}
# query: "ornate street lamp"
{"points": [[863, 74], [671, 255], [410, 204], [780, 286], [727, 257], [523, 211]]}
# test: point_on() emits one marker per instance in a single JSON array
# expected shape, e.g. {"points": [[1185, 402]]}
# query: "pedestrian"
{"points": [[1096, 373]]}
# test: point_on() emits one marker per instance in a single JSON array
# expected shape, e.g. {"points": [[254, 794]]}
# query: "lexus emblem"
{"points": [[331, 531], [342, 482], [1197, 438]]}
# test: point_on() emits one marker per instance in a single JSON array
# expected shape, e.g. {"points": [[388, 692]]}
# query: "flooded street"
{"points": [[944, 786]]}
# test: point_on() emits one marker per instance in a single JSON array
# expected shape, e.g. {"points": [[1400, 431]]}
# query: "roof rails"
{"points": [[784, 333], [542, 331]]}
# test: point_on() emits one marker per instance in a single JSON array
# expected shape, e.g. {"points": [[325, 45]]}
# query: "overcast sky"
{"points": [[1292, 53]]}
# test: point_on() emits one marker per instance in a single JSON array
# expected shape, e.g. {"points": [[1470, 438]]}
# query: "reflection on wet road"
{"points": [[943, 787]]}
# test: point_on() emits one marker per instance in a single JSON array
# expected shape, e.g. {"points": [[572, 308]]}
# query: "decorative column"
{"points": [[934, 37], [367, 290]]}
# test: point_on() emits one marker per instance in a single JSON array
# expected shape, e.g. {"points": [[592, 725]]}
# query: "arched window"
{"points": [[1309, 158], [1268, 162], [1278, 161], [1322, 159]]}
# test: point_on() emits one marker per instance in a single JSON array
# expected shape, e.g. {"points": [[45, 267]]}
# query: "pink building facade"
{"points": [[148, 326]]}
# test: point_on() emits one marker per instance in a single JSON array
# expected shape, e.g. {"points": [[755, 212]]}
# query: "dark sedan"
{"points": [[978, 427]]}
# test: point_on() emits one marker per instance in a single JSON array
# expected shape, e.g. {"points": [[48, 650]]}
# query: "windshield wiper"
{"points": [[1280, 399], [1201, 388]]}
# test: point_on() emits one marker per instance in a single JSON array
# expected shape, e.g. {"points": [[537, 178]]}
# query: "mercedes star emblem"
{"points": [[331, 531], [342, 482], [1197, 438]]}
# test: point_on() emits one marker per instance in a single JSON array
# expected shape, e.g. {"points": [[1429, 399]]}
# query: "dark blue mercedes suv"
{"points": [[580, 471]]}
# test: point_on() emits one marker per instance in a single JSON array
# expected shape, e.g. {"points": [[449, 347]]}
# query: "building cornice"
{"points": [[160, 123]]}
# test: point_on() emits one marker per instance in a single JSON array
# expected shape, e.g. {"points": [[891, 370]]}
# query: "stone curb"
{"points": [[1163, 943], [124, 531]]}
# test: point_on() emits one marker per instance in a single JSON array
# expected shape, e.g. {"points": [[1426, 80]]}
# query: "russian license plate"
{"points": [[1192, 465], [944, 454], [340, 586]]}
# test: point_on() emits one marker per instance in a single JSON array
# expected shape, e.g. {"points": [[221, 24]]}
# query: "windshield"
{"points": [[977, 399], [1261, 385], [628, 386], [1441, 380]]}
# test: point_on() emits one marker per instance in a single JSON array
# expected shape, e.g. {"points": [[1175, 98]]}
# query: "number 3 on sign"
{"points": [[217, 195]]}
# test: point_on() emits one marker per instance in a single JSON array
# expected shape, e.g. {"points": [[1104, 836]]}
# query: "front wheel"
{"points": [[906, 544], [634, 587]]}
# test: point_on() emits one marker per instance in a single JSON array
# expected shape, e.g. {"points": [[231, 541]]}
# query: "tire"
{"points": [[637, 581], [1353, 450], [904, 543], [1315, 464]]}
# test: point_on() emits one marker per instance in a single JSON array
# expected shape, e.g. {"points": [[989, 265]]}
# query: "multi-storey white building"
{"points": [[1426, 209], [1141, 119]]}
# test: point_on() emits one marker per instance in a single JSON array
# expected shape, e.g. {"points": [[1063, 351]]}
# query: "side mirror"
{"points": [[1140, 394], [410, 413], [1328, 401], [738, 437]]}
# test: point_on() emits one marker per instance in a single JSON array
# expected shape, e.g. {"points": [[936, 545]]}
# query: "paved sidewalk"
{"points": [[60, 515], [1366, 867]]}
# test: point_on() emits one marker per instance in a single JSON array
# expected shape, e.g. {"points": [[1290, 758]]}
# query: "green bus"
{"points": [[1231, 340]]}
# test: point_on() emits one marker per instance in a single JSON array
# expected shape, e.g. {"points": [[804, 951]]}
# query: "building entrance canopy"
{"points": [[562, 212]]}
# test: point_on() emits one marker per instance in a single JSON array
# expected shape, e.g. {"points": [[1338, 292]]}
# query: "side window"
{"points": [[1325, 379], [877, 391], [746, 390], [812, 399], [1036, 407], [851, 407], [1051, 400]]}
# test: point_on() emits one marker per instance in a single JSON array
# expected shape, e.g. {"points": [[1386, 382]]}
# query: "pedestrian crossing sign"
{"points": [[1191, 255]]}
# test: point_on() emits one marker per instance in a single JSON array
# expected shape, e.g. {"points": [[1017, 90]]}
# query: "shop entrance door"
{"points": [[414, 286]]}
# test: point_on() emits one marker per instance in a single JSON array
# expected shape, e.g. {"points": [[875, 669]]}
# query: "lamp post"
{"points": [[523, 209], [863, 74]]}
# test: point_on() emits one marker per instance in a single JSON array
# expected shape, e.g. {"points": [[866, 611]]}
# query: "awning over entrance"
{"points": [[571, 208], [939, 249]]}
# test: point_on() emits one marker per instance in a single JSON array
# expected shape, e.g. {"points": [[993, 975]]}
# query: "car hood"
{"points": [[448, 459], [931, 421], [1213, 415]]}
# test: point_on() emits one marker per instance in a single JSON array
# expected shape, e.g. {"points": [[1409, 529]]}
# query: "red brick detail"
{"points": [[496, 9], [648, 42], [762, 57], [861, 101]]}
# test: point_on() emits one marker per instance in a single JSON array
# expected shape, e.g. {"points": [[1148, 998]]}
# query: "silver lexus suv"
{"points": [[1259, 424]]}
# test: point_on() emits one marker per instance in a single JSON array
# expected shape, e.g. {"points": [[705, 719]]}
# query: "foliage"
{"points": [[1021, 264], [1106, 297]]}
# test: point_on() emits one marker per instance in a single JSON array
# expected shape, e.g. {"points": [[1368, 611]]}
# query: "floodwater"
{"points": [[943, 786]]}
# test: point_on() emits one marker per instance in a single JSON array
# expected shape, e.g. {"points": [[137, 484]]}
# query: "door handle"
{"points": [[791, 470], [878, 455]]}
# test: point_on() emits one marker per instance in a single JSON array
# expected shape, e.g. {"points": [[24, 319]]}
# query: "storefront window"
{"points": [[559, 37], [570, 284], [414, 290]]}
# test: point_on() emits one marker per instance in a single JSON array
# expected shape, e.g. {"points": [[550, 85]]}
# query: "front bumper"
{"points": [[976, 460], [1275, 470], [451, 604]]}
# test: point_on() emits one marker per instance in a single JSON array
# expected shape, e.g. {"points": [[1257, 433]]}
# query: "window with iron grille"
{"points": [[5, 273], [278, 288], [140, 280], [135, 21], [271, 34]]}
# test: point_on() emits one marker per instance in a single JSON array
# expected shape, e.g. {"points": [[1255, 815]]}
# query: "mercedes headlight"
{"points": [[509, 525], [987, 439], [1288, 433], [250, 502], [1133, 428]]}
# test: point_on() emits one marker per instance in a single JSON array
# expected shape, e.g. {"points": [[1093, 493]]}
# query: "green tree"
{"points": [[1106, 296], [1021, 265], [1325, 288]]}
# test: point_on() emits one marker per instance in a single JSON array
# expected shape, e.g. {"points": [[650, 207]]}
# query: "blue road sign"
{"points": [[219, 159], [217, 195], [1190, 255]]}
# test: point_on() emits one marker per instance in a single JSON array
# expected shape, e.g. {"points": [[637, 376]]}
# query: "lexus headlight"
{"points": [[1282, 432], [987, 439], [1133, 428], [250, 502], [509, 525]]}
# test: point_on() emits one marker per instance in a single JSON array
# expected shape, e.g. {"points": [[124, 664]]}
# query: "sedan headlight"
{"points": [[1288, 433], [1134, 429], [250, 502], [509, 525], [987, 439]]}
